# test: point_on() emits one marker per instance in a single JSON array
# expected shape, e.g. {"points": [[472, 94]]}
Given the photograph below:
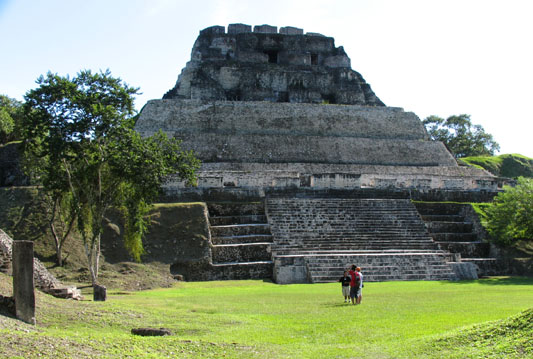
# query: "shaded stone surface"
{"points": [[7, 305]]}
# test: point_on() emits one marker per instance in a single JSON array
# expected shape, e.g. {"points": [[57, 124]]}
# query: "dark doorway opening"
{"points": [[272, 56], [329, 98], [314, 59]]}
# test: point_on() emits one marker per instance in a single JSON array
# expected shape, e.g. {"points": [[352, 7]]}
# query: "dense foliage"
{"points": [[510, 217], [460, 136], [79, 142], [508, 165], [10, 115]]}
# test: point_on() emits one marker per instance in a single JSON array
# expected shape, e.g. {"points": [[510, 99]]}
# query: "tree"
{"points": [[10, 114], [510, 217], [461, 137], [79, 142]]}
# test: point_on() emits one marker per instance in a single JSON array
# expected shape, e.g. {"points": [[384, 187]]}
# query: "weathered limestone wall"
{"points": [[289, 119], [272, 132]]}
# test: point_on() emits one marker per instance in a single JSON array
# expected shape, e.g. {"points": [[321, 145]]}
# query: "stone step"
{"points": [[467, 249], [454, 237], [384, 278], [338, 270], [249, 238], [232, 208], [393, 273], [438, 208], [239, 229], [449, 227], [310, 243], [363, 252], [282, 251], [442, 218], [487, 266], [243, 252], [244, 219], [242, 270]]}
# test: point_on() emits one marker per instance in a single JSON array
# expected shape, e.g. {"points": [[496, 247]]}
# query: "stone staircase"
{"points": [[320, 237], [241, 241], [452, 231]]}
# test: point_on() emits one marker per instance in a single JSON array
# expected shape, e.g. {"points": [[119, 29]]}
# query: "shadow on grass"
{"points": [[339, 305], [497, 281]]}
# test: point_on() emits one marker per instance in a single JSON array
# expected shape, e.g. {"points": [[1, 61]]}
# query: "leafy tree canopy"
{"points": [[10, 114], [510, 217], [461, 137], [79, 142]]}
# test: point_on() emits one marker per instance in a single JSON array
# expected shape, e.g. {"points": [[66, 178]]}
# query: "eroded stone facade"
{"points": [[267, 65]]}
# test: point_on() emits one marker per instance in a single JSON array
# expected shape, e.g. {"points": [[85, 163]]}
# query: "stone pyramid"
{"points": [[268, 109]]}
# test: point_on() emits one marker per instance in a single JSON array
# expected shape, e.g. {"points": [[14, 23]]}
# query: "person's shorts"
{"points": [[353, 292], [359, 291], [346, 291]]}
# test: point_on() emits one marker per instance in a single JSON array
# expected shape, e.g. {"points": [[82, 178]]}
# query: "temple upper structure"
{"points": [[267, 110], [267, 65]]}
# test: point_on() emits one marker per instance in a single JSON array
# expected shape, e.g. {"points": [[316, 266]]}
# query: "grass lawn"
{"points": [[255, 319]]}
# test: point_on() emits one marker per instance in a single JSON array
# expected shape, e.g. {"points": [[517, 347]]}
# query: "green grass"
{"points": [[255, 319], [507, 165]]}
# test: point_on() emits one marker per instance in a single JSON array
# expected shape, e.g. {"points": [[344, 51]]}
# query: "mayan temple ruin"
{"points": [[305, 170]]}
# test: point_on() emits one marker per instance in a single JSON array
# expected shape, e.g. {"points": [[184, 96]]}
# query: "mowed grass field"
{"points": [[256, 319]]}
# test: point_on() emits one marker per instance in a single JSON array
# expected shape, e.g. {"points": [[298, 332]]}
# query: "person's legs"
{"points": [[346, 293], [359, 296], [353, 292]]}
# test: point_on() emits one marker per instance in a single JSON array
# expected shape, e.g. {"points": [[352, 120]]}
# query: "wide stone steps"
{"points": [[382, 266], [386, 237]]}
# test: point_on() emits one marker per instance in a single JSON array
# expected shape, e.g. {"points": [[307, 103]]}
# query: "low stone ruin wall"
{"points": [[43, 279]]}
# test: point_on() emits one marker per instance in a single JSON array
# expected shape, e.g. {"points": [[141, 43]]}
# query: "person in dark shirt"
{"points": [[345, 283]]}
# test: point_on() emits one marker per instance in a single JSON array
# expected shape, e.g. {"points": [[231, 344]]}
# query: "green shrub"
{"points": [[510, 217]]}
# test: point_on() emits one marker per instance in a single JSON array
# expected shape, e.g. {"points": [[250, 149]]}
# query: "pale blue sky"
{"points": [[428, 56]]}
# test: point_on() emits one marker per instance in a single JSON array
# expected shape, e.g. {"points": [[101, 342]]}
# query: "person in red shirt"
{"points": [[354, 283]]}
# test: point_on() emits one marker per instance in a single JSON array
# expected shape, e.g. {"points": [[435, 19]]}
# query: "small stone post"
{"points": [[23, 289], [99, 293]]}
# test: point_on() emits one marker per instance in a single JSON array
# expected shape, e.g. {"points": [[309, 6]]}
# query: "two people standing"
{"points": [[355, 284]]}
